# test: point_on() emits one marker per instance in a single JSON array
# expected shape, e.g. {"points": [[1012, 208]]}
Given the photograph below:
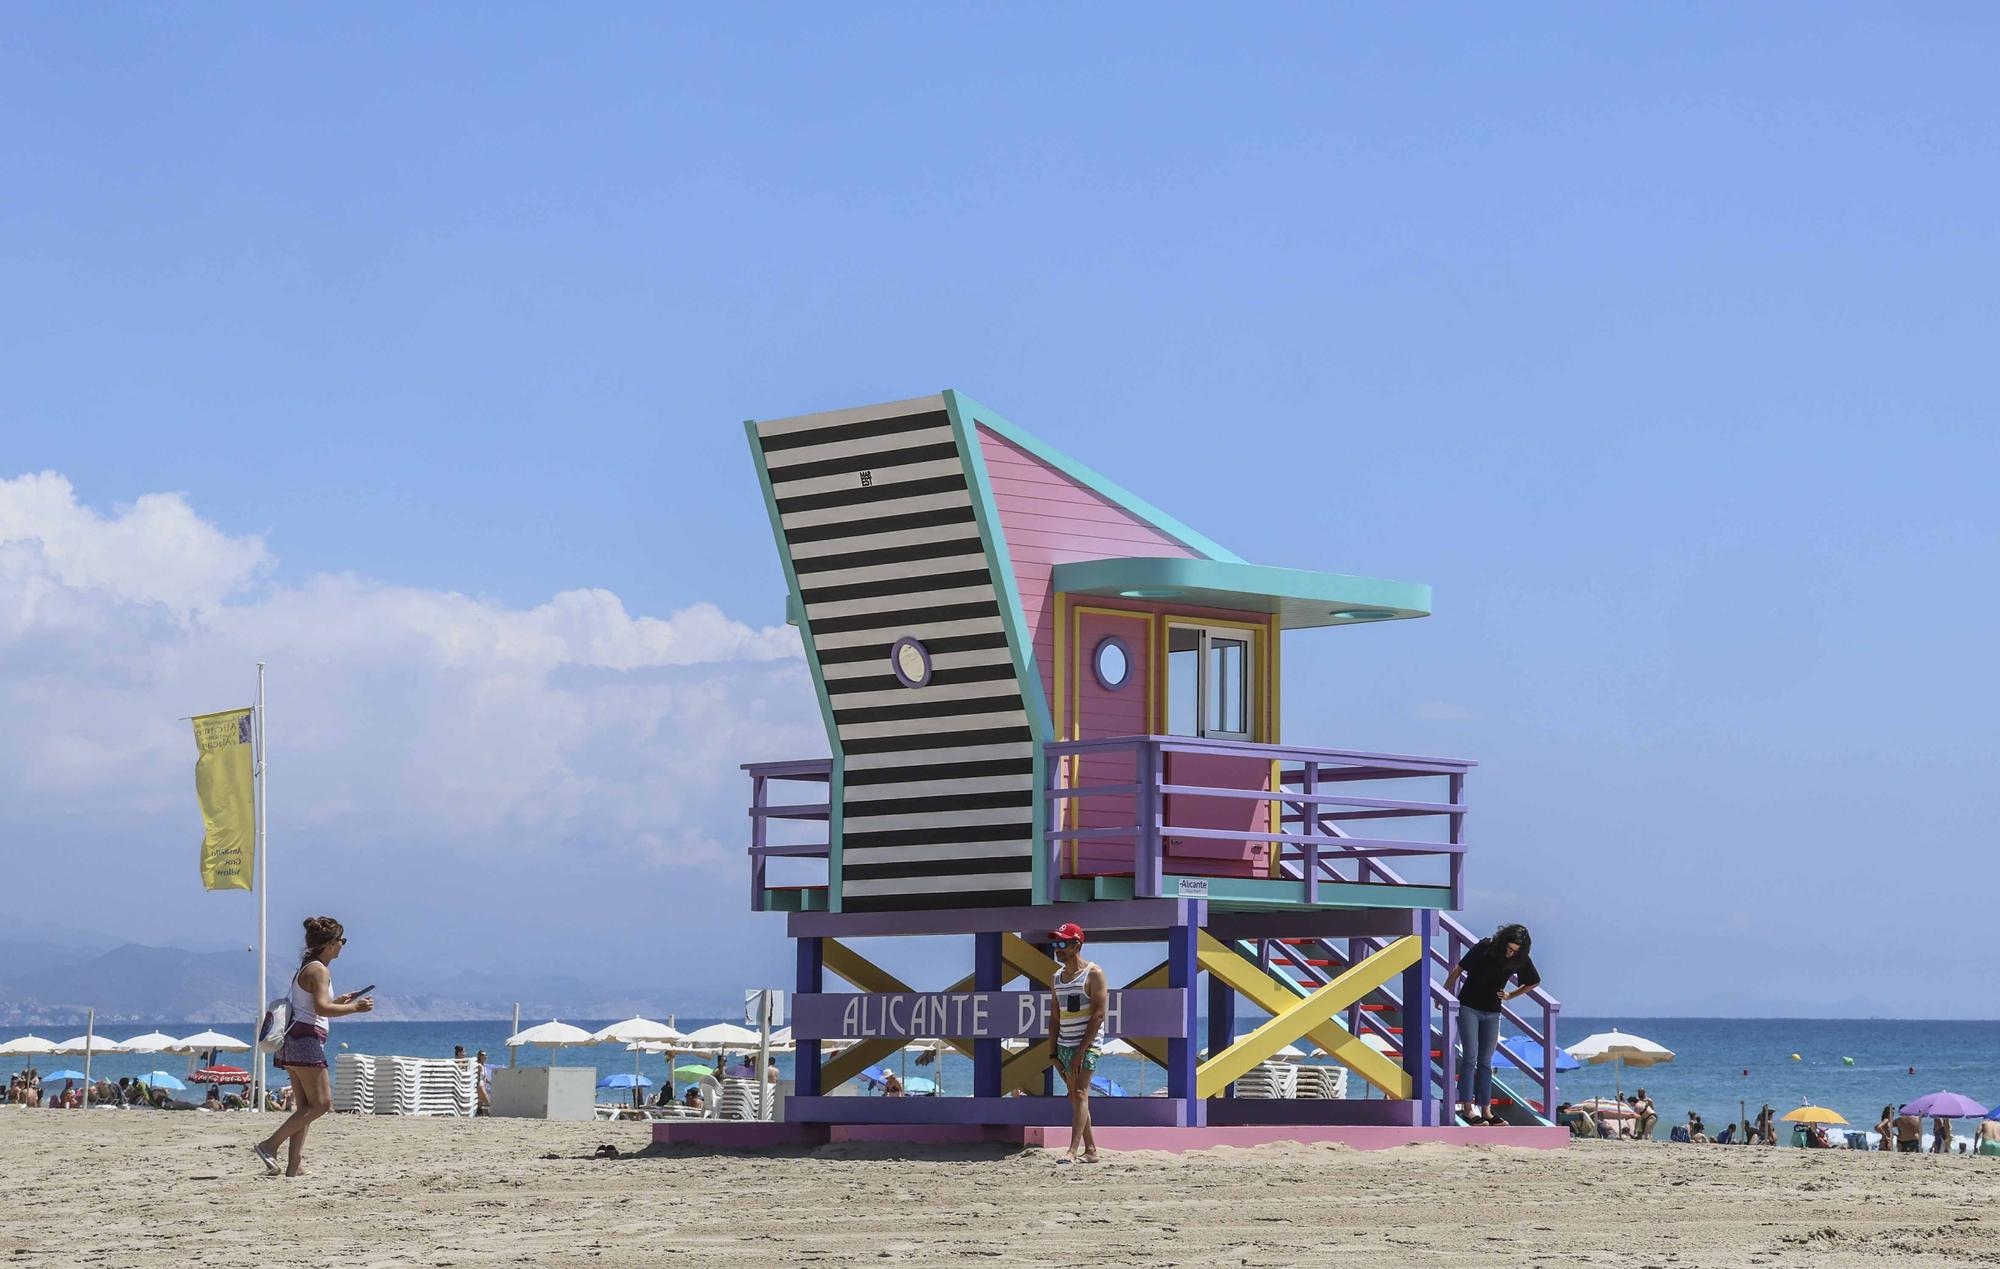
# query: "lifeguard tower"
{"points": [[1048, 701]]}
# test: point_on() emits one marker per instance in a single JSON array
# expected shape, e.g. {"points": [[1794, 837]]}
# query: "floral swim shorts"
{"points": [[1066, 1054]]}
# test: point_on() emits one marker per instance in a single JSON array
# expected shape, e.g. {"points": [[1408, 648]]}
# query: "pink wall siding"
{"points": [[1050, 519]]}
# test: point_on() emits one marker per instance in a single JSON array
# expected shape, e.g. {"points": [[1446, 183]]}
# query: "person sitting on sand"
{"points": [[1816, 1138], [693, 1098], [1909, 1134], [1697, 1131], [1940, 1135], [1648, 1118], [892, 1085], [1766, 1132], [1579, 1120], [214, 1099]]}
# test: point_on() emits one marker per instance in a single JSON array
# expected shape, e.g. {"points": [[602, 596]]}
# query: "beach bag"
{"points": [[277, 1020]]}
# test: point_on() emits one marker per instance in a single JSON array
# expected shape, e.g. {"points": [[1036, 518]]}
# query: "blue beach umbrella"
{"points": [[624, 1079], [874, 1077], [63, 1075], [1106, 1085], [1530, 1051], [161, 1079]]}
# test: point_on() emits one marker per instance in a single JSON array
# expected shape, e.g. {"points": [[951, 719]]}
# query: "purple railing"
{"points": [[1445, 953], [1319, 851], [808, 771]]}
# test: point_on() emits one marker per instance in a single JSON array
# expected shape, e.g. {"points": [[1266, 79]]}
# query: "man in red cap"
{"points": [[1081, 999]]}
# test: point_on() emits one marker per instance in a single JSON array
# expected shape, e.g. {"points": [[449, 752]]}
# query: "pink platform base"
{"points": [[713, 1134]]}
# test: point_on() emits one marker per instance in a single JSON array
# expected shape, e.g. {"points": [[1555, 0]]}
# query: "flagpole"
{"points": [[263, 864]]}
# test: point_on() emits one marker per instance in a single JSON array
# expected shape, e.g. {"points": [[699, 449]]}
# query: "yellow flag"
{"points": [[222, 780]]}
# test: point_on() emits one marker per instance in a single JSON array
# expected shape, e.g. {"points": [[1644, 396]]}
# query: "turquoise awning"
{"points": [[1299, 597]]}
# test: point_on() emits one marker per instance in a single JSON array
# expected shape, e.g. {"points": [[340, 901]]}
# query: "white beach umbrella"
{"points": [[90, 1044], [27, 1046], [1626, 1050], [1615, 1046], [637, 1030], [202, 1041], [722, 1035], [151, 1042], [1115, 1047], [781, 1040], [554, 1035]]}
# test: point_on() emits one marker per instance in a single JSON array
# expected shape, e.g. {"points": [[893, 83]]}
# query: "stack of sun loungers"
{"points": [[405, 1086], [354, 1083], [739, 1099], [1321, 1082], [1268, 1080]]}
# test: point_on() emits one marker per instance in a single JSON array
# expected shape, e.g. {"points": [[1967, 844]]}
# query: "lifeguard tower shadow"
{"points": [[1047, 701]]}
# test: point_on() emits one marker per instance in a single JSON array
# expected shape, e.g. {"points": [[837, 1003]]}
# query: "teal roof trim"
{"points": [[973, 412], [1020, 641], [1299, 597]]}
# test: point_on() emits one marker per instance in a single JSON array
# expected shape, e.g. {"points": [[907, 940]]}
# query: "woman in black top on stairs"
{"points": [[1487, 967]]}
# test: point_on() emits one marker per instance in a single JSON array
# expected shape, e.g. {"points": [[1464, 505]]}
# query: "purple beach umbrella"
{"points": [[1943, 1105]]}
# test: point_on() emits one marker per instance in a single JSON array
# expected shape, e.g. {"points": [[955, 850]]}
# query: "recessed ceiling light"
{"points": [[1362, 614], [1151, 592]]}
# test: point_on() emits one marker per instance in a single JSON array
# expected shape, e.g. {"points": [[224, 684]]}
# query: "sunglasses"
{"points": [[1063, 945]]}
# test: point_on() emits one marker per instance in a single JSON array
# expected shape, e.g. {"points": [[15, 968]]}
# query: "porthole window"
{"points": [[1111, 663], [910, 661]]}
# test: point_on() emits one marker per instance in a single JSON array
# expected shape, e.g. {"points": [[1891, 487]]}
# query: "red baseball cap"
{"points": [[1070, 932]]}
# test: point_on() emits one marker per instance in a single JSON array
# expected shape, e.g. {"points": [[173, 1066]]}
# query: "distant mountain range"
{"points": [[53, 981]]}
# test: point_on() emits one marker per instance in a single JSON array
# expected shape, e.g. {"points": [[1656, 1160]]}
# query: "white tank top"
{"points": [[1073, 1007], [302, 1004]]}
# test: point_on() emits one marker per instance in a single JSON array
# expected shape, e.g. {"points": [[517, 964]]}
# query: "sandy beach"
{"points": [[151, 1190]]}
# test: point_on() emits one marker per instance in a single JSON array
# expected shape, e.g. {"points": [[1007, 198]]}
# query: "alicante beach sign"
{"points": [[975, 1015]]}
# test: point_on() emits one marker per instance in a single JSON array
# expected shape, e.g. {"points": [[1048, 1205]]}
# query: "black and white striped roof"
{"points": [[877, 520]]}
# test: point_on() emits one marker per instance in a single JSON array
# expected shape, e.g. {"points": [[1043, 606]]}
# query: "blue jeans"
{"points": [[1478, 1033]]}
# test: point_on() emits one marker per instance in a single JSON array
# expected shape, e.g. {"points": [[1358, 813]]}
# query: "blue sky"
{"points": [[1657, 340]]}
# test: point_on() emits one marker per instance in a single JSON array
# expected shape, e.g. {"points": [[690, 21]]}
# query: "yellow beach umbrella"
{"points": [[1813, 1115]]}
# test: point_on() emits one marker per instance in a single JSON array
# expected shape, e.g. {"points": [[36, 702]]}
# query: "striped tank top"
{"points": [[1073, 1007]]}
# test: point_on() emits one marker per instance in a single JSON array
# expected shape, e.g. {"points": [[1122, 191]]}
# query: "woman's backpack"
{"points": [[277, 1019]]}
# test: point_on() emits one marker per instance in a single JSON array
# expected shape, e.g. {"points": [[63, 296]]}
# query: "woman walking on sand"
{"points": [[302, 1055], [1487, 967]]}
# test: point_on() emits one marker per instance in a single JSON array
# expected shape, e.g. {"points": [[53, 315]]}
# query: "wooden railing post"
{"points": [[757, 842], [1309, 785], [1550, 1009], [1448, 1055], [1149, 869]]}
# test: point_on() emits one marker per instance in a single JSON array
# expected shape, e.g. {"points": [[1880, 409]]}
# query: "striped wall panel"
{"points": [[876, 517]]}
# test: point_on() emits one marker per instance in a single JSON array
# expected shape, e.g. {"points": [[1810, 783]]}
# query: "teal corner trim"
{"points": [[1109, 490], [795, 604], [1020, 643]]}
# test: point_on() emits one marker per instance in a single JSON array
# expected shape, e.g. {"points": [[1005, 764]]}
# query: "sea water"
{"points": [[1719, 1066]]}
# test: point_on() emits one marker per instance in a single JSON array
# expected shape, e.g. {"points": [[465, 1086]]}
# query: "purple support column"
{"points": [[1417, 1020], [1357, 949], [1149, 869], [987, 975], [1457, 822], [1182, 966], [1222, 1014], [1449, 1055], [811, 979]]}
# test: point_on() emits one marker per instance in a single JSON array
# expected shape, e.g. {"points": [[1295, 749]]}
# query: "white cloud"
{"points": [[399, 715]]}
